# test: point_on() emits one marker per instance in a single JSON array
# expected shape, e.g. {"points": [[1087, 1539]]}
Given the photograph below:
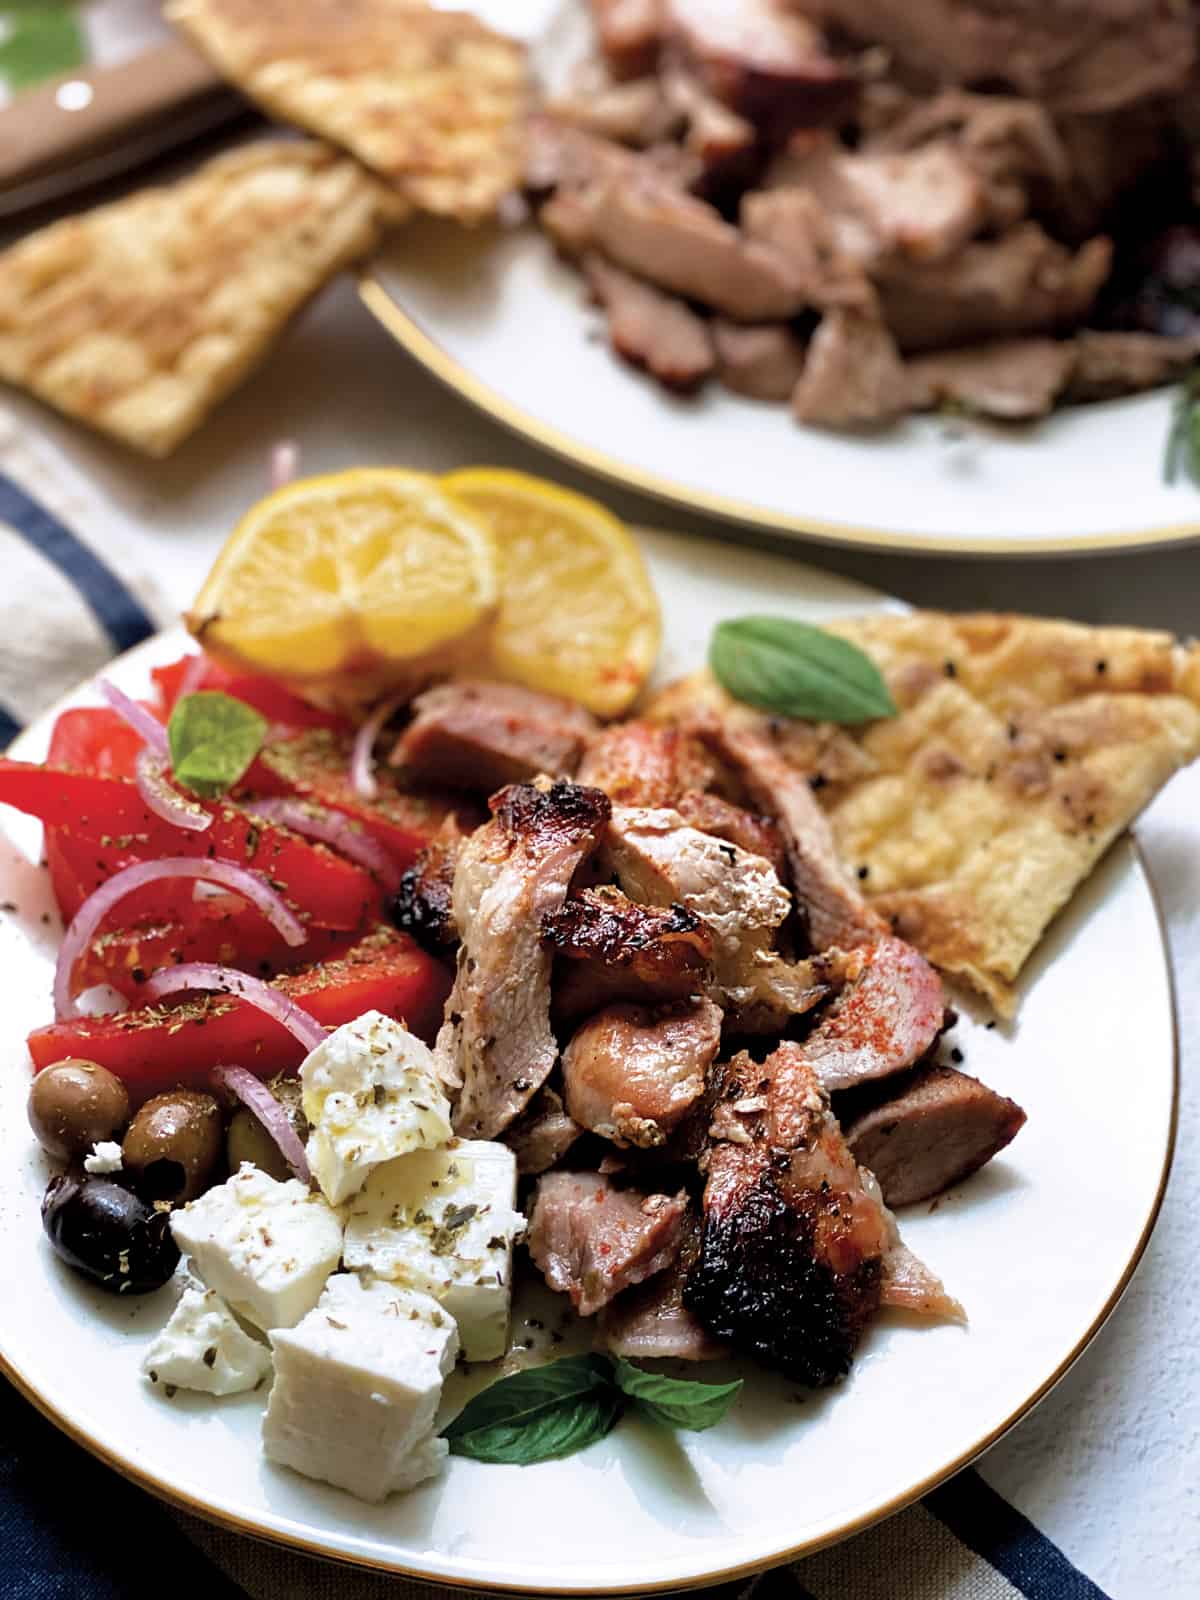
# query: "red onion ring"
{"points": [[362, 775], [97, 906], [138, 718], [193, 676], [332, 828], [207, 975], [262, 1104], [160, 795]]}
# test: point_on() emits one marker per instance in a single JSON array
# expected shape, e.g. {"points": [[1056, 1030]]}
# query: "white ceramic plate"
{"points": [[504, 322], [1038, 1247]]}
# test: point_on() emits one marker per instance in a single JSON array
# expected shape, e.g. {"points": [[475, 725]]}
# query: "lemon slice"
{"points": [[351, 581], [578, 613]]}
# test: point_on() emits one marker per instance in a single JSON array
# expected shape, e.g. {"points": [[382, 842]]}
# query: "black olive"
{"points": [[102, 1230]]}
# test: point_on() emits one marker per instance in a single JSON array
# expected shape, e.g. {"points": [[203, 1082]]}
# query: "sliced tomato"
{"points": [[94, 739], [240, 938], [277, 703], [315, 765], [160, 1047], [104, 826]]}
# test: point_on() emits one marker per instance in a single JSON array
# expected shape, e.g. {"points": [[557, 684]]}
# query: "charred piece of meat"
{"points": [[614, 949], [514, 871]]}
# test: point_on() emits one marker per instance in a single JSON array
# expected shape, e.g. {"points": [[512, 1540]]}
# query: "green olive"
{"points": [[174, 1145], [247, 1140], [75, 1104]]}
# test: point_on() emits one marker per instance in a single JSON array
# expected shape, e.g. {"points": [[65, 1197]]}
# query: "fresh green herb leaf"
{"points": [[539, 1414], [213, 740], [677, 1402], [38, 39], [1183, 437], [796, 670]]}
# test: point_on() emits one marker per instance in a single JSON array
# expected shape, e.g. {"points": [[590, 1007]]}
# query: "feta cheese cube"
{"points": [[357, 1387], [266, 1247], [443, 1221], [105, 1157], [371, 1093], [203, 1346]]}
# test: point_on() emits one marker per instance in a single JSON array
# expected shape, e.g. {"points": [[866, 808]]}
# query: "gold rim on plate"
{"points": [[420, 344], [127, 1466]]}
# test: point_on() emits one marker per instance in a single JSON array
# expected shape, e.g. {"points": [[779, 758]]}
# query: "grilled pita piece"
{"points": [[429, 99], [1022, 748], [139, 316], [497, 1040]]}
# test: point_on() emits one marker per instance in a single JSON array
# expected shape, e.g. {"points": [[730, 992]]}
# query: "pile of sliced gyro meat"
{"points": [[645, 982]]}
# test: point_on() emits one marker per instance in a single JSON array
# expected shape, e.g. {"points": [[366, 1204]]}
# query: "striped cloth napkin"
{"points": [[72, 597]]}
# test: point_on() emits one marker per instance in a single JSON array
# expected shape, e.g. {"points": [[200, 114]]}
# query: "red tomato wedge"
{"points": [[315, 765], [94, 739], [163, 1046], [102, 821], [275, 702], [127, 956]]}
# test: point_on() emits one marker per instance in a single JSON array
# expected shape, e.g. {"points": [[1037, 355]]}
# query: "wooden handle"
{"points": [[56, 128]]}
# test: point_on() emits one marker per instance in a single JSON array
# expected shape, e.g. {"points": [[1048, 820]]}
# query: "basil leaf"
{"points": [[213, 740], [677, 1402], [796, 670], [540, 1414], [38, 39]]}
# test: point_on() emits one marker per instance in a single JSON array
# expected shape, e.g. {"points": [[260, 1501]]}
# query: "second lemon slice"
{"points": [[578, 613], [348, 581]]}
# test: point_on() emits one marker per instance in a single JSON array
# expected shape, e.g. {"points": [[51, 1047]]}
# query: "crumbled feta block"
{"points": [[266, 1246], [203, 1346], [443, 1221], [105, 1157], [371, 1093], [357, 1387]]}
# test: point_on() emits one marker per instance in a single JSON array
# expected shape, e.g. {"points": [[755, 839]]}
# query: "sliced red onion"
{"points": [[97, 906], [163, 798], [138, 718], [193, 676], [207, 975], [330, 827], [261, 1103], [362, 762], [285, 458]]}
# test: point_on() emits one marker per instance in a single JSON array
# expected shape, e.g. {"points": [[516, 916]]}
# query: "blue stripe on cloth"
{"points": [[9, 728], [997, 1531], [116, 608], [72, 1529]]}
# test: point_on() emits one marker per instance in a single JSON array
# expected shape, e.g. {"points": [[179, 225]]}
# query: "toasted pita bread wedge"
{"points": [[1022, 748], [139, 316], [431, 100]]}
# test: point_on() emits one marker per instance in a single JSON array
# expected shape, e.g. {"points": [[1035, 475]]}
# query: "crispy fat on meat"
{"points": [[882, 1022], [590, 1239], [481, 736], [614, 949], [431, 99], [935, 1129], [542, 1134], [632, 1074], [792, 1247], [137, 317], [651, 1322], [516, 869]]}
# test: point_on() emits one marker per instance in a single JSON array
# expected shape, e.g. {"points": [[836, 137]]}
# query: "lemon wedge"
{"points": [[353, 583], [578, 614]]}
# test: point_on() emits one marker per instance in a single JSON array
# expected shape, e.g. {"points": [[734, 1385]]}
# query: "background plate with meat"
{"points": [[1038, 1247], [506, 323]]}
